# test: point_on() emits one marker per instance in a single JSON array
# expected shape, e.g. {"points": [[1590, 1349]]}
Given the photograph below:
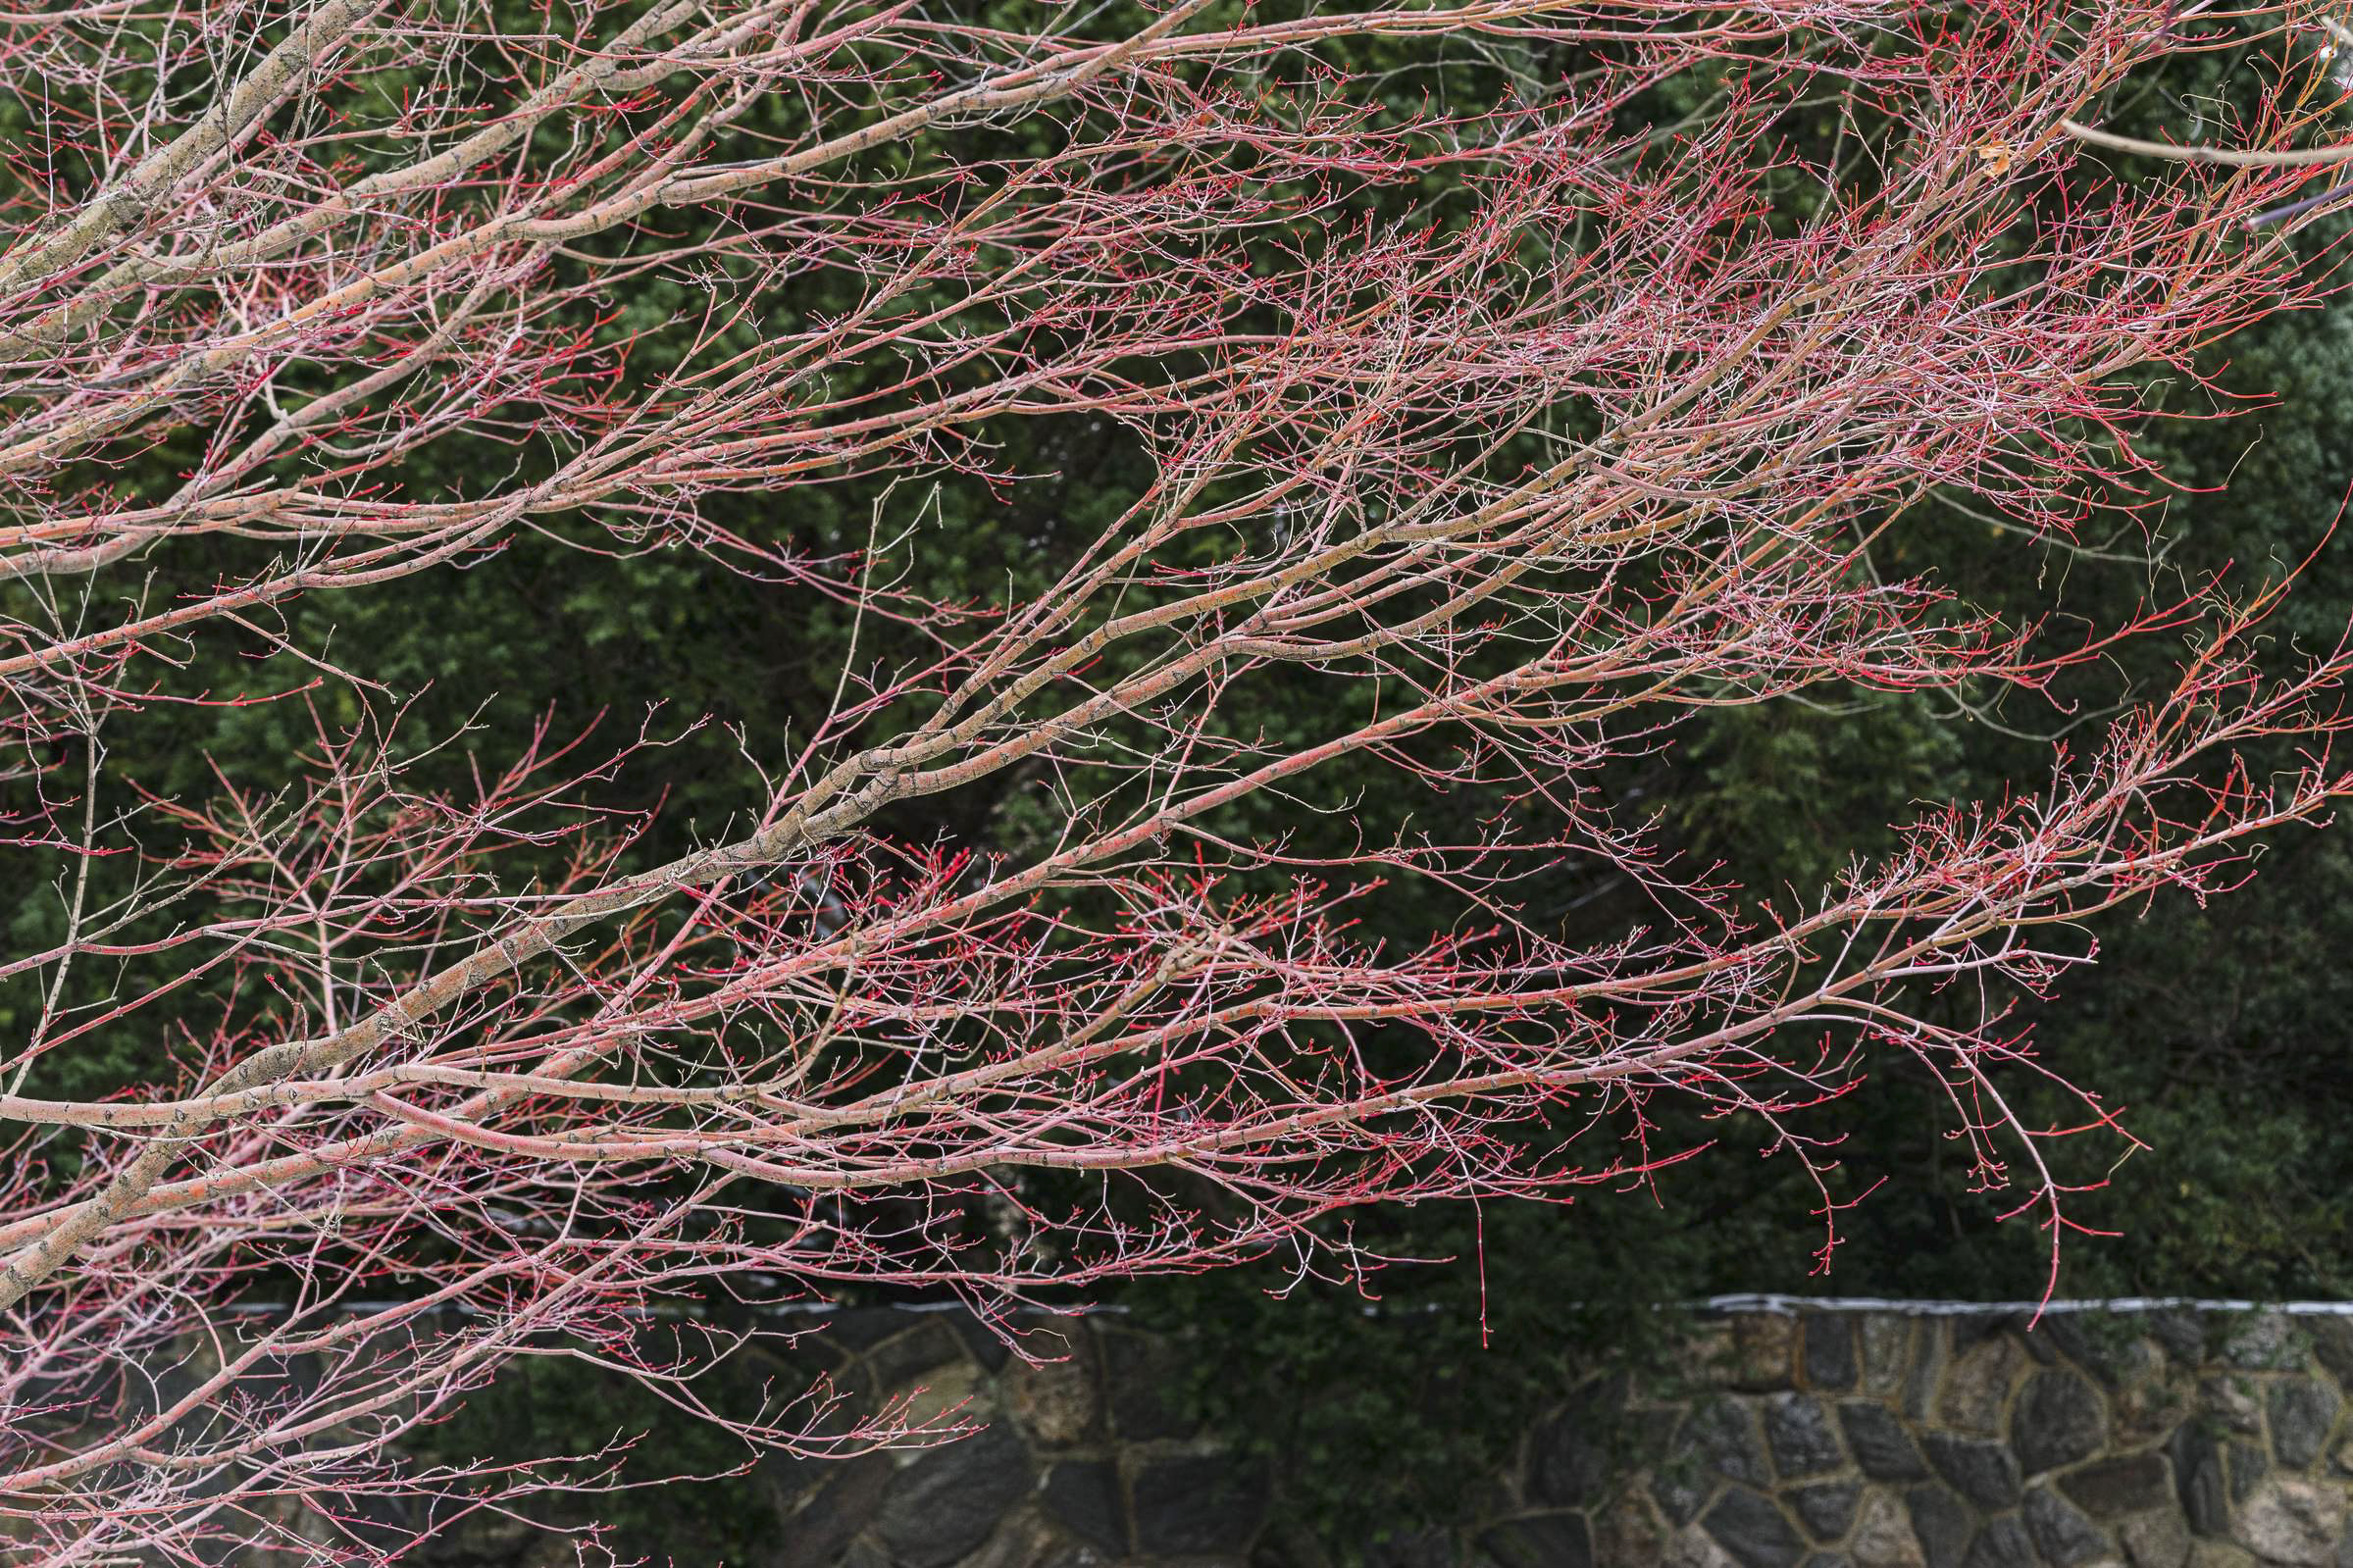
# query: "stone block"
{"points": [[2034, 1337], [1198, 1505], [1750, 1525], [905, 1357], [1143, 1378], [1799, 1433], [1881, 1445], [1826, 1508], [2301, 1412], [860, 1329], [1083, 1496], [2198, 1476], [982, 1344], [1830, 1351], [2182, 1332], [1976, 1390], [1963, 1330], [1985, 1473], [1943, 1523], [955, 1391], [2245, 1464], [2056, 1421], [816, 1533], [2132, 1483], [945, 1504], [1723, 1433], [2090, 1342]]}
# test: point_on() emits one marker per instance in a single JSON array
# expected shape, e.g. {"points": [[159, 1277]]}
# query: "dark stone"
{"points": [[1724, 1434], [1083, 1496], [2106, 1344], [1829, 1351], [1747, 1525], [1141, 1376], [2061, 1533], [903, 1356], [2198, 1474], [2002, 1543], [2038, 1344], [2246, 1465], [2303, 1409], [1541, 1540], [863, 1328], [2079, 1345], [2182, 1334], [2130, 1483], [1197, 1504], [2058, 1421], [1943, 1523], [1883, 1447], [1828, 1559], [1985, 1473], [1964, 1330], [1803, 1442], [980, 1343], [1826, 1508], [945, 1504], [1571, 1456], [817, 1532]]}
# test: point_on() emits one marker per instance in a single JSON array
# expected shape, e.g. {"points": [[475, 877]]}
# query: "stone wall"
{"points": [[1886, 1438]]}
